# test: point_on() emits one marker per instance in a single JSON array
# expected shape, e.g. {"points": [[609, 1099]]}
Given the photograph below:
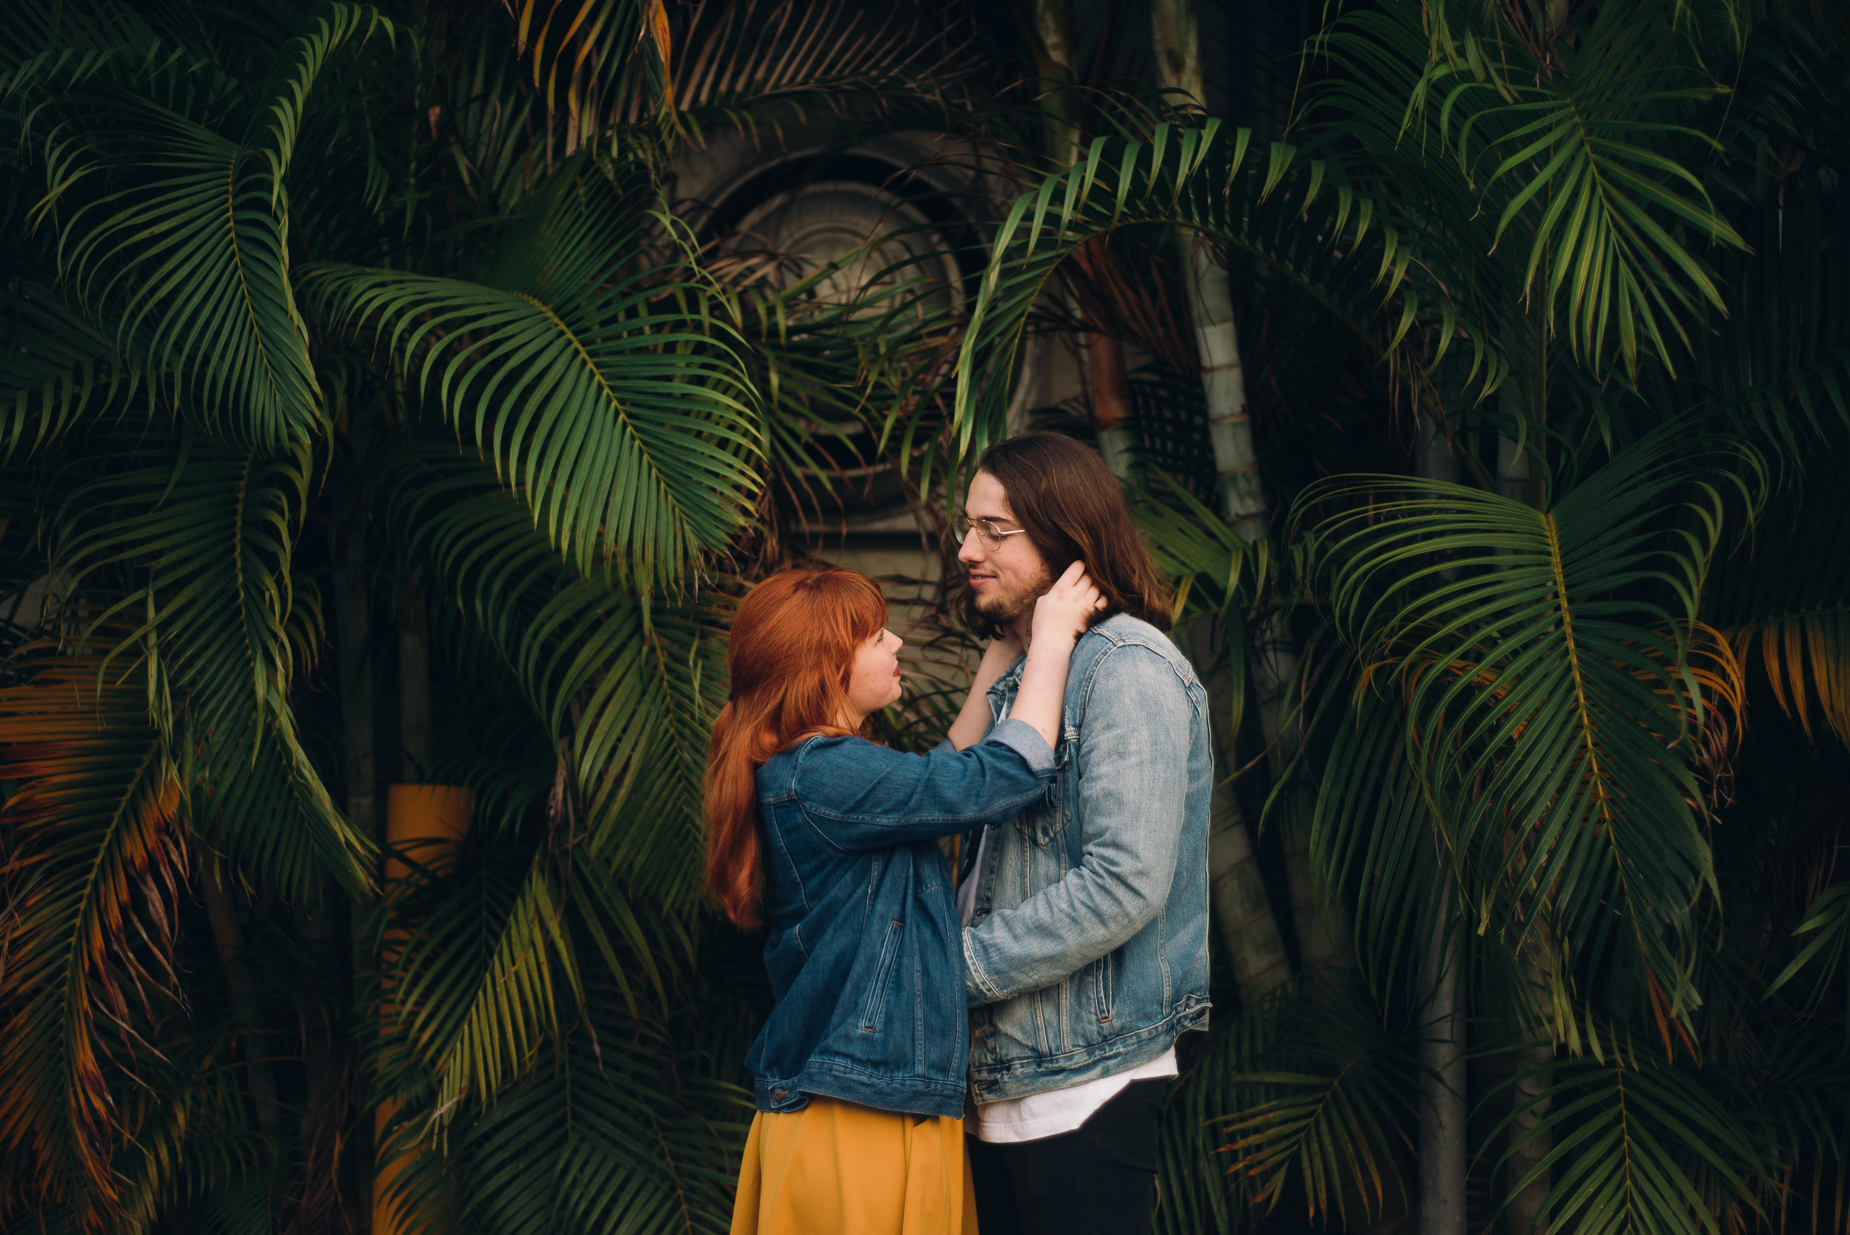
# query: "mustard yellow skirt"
{"points": [[835, 1168]]}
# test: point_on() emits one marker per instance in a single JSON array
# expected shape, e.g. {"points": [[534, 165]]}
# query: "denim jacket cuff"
{"points": [[977, 987], [1025, 740]]}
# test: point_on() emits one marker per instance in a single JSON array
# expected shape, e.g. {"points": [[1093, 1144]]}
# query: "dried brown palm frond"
{"points": [[739, 50]]}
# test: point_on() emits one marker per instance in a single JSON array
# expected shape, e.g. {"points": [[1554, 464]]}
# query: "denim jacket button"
{"points": [[778, 1095]]}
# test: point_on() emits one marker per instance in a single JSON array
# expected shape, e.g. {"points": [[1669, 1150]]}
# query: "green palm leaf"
{"points": [[1554, 699], [602, 399], [1783, 589], [596, 61], [56, 371], [471, 993], [636, 1129], [1287, 210], [1630, 1139], [1588, 163], [206, 532], [165, 194], [626, 689], [1304, 1098], [184, 249], [1567, 189]]}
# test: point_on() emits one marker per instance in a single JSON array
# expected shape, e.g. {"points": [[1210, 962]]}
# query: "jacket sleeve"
{"points": [[1132, 767], [861, 796]]}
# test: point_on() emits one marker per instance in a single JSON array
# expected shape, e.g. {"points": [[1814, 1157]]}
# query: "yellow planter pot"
{"points": [[424, 824]]}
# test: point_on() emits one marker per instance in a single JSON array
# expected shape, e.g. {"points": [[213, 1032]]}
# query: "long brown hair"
{"points": [[792, 649], [1073, 510]]}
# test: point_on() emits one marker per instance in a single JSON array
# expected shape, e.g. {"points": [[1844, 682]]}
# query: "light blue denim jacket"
{"points": [[1087, 951]]}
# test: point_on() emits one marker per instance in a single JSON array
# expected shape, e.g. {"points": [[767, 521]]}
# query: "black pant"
{"points": [[1100, 1177]]}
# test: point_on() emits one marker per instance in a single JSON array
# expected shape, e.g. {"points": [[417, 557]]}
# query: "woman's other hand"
{"points": [[973, 718], [1002, 652]]}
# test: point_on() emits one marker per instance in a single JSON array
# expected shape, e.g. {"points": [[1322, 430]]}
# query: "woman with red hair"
{"points": [[831, 841]]}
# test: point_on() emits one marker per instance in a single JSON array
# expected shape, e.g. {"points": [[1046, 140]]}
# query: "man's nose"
{"points": [[972, 548]]}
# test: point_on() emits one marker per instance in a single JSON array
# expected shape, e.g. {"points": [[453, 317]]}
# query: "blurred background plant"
{"points": [[397, 398]]}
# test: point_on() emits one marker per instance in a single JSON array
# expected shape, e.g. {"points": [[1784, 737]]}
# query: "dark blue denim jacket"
{"points": [[863, 949]]}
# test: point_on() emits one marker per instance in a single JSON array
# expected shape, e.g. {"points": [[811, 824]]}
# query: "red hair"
{"points": [[792, 649]]}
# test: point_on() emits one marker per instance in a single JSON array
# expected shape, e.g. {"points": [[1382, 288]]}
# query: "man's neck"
{"points": [[1024, 629]]}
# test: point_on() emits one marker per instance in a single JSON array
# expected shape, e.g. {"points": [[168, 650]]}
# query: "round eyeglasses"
{"points": [[991, 531]]}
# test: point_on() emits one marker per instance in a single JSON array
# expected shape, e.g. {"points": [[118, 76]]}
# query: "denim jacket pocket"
{"points": [[1103, 988], [875, 1002]]}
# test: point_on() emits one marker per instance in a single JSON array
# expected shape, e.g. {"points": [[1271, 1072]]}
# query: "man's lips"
{"points": [[980, 580]]}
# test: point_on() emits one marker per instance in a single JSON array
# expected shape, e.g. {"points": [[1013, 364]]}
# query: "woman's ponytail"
{"points": [[732, 822]]}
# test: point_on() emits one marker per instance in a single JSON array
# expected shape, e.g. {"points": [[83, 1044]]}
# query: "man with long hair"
{"points": [[1086, 916]]}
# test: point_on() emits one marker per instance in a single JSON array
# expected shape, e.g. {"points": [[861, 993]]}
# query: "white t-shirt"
{"points": [[1042, 1115]]}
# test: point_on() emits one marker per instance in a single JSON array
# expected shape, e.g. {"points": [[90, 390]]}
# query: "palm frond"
{"points": [[1631, 1141], [635, 1129], [1824, 936], [94, 867], [1555, 693], [56, 371], [604, 400], [1306, 1099], [625, 688], [217, 632], [735, 55], [1784, 592], [1562, 172], [1289, 211], [595, 61], [470, 993], [172, 232]]}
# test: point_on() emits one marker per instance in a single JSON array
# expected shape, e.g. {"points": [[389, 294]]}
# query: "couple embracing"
{"points": [[1042, 990]]}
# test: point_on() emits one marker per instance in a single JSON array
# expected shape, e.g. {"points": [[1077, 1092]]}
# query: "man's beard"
{"points": [[1007, 608]]}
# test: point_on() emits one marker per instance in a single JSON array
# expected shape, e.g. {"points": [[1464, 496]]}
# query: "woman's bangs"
{"points": [[867, 609]]}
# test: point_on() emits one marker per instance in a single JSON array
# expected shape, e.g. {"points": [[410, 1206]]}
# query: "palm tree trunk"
{"points": [[1111, 403], [418, 751], [1525, 1203], [1053, 26], [1323, 929], [244, 1004], [1515, 481], [1242, 908], [1255, 949], [1442, 1082], [1442, 1040], [354, 663]]}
